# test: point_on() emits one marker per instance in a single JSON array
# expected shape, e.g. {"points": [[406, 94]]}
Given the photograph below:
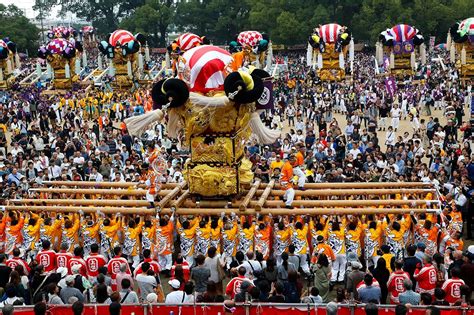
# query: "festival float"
{"points": [[122, 48], [251, 48], [179, 46], [329, 47], [61, 55], [9, 60], [212, 110], [396, 49], [460, 43]]}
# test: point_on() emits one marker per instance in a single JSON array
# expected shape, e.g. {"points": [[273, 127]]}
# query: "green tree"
{"points": [[152, 20], [105, 15], [18, 28]]}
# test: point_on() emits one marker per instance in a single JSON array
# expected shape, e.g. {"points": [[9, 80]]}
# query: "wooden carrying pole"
{"points": [[343, 203], [218, 211], [85, 202], [351, 192], [61, 209], [299, 211], [260, 192], [363, 185], [98, 191], [166, 199], [249, 196], [93, 184], [104, 184], [265, 195]]}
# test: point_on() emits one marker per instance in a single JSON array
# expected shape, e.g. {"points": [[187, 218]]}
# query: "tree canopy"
{"points": [[18, 28], [286, 21]]}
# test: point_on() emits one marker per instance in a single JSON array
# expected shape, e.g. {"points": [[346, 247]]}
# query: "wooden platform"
{"points": [[316, 199]]}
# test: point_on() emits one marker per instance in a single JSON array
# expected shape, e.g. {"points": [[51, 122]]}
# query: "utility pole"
{"points": [[41, 19]]}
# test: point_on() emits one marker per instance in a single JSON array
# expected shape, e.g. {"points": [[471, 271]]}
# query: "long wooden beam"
{"points": [[249, 196], [365, 185], [170, 196], [85, 202], [85, 209], [343, 203], [351, 192], [93, 184], [264, 195], [217, 211], [262, 186], [98, 191], [299, 211], [260, 192]]}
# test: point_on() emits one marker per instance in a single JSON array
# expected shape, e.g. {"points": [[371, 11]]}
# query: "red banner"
{"points": [[199, 309]]}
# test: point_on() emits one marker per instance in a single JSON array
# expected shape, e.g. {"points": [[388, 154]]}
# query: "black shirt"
{"points": [[409, 265], [276, 299], [4, 275]]}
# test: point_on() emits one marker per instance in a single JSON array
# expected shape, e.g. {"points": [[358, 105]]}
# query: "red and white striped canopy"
{"points": [[120, 36], [88, 29], [329, 32], [249, 38], [205, 68], [187, 41]]}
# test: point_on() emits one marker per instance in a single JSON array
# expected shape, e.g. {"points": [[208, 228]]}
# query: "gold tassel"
{"points": [[392, 60], [448, 41], [413, 60], [1, 74]]}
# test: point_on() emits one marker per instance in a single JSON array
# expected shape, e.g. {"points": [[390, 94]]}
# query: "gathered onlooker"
{"points": [[322, 276], [200, 275]]}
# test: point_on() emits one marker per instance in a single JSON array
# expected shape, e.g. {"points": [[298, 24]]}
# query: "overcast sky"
{"points": [[25, 5]]}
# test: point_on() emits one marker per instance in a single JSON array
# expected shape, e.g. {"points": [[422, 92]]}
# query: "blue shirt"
{"points": [[370, 293], [409, 297]]}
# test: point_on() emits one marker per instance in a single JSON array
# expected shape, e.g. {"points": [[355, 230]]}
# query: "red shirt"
{"points": [[153, 265], [113, 268], [47, 258], [233, 287], [17, 261], [426, 279], [452, 287], [62, 259], [78, 260], [93, 263], [395, 285], [186, 270]]}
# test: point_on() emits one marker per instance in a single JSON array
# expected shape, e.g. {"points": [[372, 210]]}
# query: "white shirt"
{"points": [[395, 112], [390, 138], [176, 297], [354, 152], [78, 160], [256, 267]]}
